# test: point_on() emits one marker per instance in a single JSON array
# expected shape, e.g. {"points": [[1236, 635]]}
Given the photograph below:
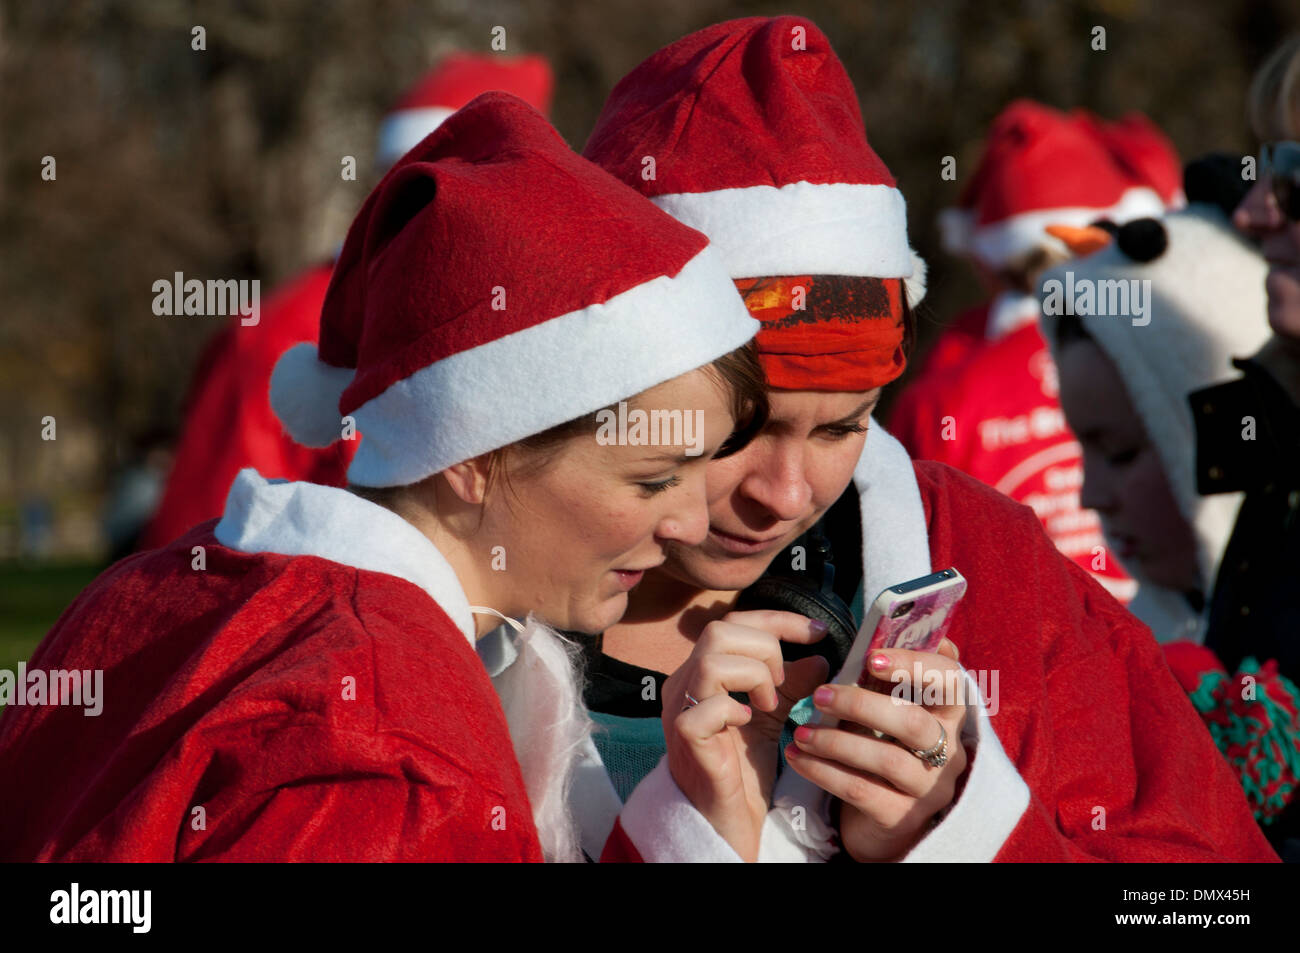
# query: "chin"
{"points": [[1283, 304], [723, 573], [595, 619], [1284, 319]]}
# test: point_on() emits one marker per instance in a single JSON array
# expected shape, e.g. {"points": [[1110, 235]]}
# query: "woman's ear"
{"points": [[469, 479]]}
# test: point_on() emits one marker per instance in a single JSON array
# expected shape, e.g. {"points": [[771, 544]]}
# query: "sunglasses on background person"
{"points": [[1282, 161]]}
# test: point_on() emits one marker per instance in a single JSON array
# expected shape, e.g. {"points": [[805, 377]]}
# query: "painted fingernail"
{"points": [[748, 710], [791, 752], [818, 627], [880, 662], [803, 733], [823, 695]]}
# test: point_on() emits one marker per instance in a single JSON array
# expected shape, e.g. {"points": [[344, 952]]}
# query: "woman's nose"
{"points": [[1258, 212], [688, 523], [780, 485]]}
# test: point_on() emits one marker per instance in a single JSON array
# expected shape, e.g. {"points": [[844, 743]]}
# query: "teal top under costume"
{"points": [[631, 745]]}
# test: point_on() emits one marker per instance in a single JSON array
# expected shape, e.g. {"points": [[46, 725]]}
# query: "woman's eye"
{"points": [[840, 431], [658, 487]]}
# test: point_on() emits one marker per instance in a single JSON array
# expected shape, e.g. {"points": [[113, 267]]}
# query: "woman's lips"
{"points": [[628, 578], [743, 545]]}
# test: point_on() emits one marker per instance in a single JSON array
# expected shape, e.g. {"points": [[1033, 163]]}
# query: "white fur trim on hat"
{"points": [[801, 228], [401, 130], [492, 395], [1002, 242], [305, 395]]}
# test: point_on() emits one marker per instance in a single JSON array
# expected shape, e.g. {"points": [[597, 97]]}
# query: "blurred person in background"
{"points": [[756, 137], [1248, 430], [996, 415], [1124, 387], [228, 421], [1255, 609]]}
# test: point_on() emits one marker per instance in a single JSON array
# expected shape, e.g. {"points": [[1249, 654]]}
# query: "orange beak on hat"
{"points": [[1080, 241]]}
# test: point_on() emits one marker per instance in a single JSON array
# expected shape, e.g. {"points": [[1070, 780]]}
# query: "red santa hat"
{"points": [[750, 131], [492, 286], [1041, 167], [1143, 151], [453, 83]]}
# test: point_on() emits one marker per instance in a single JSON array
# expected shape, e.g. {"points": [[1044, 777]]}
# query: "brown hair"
{"points": [[1274, 99], [738, 374]]}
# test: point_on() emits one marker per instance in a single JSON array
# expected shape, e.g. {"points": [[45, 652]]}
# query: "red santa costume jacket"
{"points": [[956, 343], [277, 695], [296, 682], [1084, 746], [997, 417], [229, 424]]}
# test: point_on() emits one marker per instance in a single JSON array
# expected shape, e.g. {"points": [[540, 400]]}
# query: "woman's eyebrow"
{"points": [[857, 412], [668, 455]]}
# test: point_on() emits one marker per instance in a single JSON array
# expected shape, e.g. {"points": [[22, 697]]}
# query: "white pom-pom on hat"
{"points": [[914, 285], [305, 395]]}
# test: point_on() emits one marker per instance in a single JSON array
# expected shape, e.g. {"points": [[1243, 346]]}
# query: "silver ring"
{"points": [[936, 756], [692, 700]]}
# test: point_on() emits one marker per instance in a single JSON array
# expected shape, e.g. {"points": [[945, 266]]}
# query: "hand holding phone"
{"points": [[913, 615]]}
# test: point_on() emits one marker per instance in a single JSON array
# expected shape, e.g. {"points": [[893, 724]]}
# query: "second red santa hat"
{"points": [[494, 285], [1042, 167], [750, 131], [451, 84]]}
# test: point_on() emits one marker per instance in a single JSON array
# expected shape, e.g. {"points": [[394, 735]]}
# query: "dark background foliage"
{"points": [[226, 162]]}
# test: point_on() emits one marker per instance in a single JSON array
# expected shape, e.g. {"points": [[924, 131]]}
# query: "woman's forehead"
{"points": [[823, 406]]}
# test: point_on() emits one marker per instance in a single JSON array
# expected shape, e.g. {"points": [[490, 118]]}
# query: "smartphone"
{"points": [[912, 615]]}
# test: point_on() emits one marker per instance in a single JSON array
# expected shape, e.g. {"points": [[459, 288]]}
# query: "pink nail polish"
{"points": [[879, 662], [823, 695], [748, 710], [803, 733]]}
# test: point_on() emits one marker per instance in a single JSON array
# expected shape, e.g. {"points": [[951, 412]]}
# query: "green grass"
{"points": [[31, 599]]}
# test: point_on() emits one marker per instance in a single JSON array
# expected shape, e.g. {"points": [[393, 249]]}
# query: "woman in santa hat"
{"points": [[750, 131], [228, 394], [299, 680]]}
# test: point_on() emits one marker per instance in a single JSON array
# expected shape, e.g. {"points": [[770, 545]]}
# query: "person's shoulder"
{"points": [[946, 489]]}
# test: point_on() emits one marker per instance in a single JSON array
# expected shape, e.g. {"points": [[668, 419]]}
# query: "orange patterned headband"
{"points": [[827, 332]]}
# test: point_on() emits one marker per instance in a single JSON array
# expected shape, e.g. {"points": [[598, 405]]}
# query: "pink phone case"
{"points": [[921, 628]]}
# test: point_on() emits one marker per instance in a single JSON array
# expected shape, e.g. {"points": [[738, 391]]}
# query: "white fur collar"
{"points": [[892, 515], [306, 519]]}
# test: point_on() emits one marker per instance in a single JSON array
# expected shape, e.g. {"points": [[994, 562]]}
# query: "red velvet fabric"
{"points": [[229, 424], [495, 199], [224, 688], [1088, 710], [769, 94]]}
